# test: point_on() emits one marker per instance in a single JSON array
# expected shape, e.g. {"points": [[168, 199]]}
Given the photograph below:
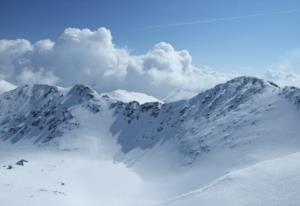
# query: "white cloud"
{"points": [[288, 62], [91, 57], [40, 77], [283, 78], [44, 45], [12, 56], [286, 71]]}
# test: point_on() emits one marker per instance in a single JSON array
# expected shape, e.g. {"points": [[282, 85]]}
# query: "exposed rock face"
{"points": [[21, 162]]}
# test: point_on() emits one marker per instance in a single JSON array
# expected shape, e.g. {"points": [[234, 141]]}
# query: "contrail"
{"points": [[207, 21]]}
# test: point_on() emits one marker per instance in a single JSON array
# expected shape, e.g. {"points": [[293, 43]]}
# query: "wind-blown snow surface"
{"points": [[65, 178], [178, 153], [272, 182]]}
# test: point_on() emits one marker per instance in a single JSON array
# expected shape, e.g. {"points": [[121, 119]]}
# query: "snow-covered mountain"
{"points": [[186, 150], [179, 95], [126, 96], [6, 86]]}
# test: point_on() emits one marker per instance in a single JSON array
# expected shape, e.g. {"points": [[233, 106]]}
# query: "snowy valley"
{"points": [[235, 144]]}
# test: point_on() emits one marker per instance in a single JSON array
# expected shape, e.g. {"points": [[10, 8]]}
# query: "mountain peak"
{"points": [[248, 81], [32, 92], [82, 90], [230, 95]]}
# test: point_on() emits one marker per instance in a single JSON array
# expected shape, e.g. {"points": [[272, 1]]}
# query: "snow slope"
{"points": [[272, 182], [126, 96], [6, 86], [65, 178]]}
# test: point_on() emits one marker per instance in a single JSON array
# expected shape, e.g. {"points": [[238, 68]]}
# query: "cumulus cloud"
{"points": [[91, 57]]}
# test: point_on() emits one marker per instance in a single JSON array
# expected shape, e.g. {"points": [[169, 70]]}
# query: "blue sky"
{"points": [[227, 45], [266, 34]]}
